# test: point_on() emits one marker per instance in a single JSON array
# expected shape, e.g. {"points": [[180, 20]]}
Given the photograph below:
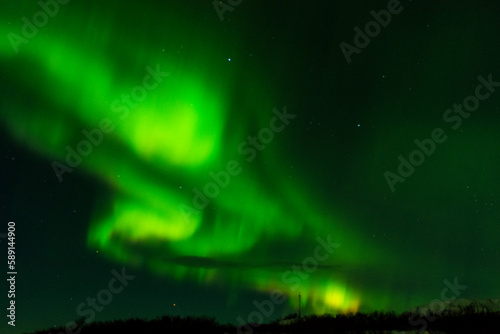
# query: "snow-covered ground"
{"points": [[458, 305]]}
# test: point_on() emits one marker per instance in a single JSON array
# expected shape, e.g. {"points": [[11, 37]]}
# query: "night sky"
{"points": [[226, 157]]}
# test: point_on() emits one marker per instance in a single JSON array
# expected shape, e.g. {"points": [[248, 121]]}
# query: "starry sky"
{"points": [[225, 155]]}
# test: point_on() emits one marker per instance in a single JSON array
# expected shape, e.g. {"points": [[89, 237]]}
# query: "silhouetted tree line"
{"points": [[164, 324], [467, 320]]}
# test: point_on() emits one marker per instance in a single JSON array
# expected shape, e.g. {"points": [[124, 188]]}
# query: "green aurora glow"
{"points": [[180, 130], [248, 235]]}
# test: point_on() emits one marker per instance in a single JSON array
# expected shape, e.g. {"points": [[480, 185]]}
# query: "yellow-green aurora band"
{"points": [[75, 74]]}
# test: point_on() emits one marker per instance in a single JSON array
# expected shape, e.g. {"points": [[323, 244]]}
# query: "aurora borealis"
{"points": [[220, 161]]}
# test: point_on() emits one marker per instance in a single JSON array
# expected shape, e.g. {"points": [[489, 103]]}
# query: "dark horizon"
{"points": [[468, 317]]}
